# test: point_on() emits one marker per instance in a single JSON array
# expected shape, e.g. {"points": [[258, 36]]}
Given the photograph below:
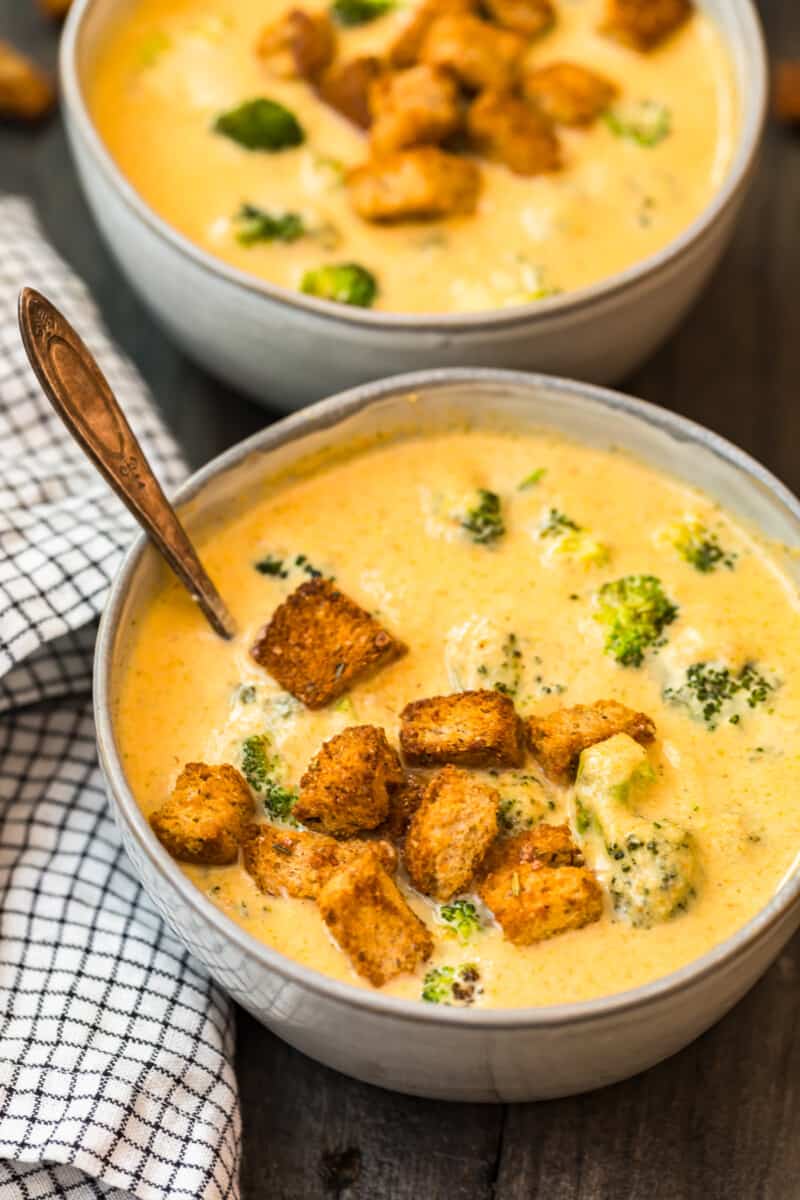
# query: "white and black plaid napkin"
{"points": [[115, 1046]]}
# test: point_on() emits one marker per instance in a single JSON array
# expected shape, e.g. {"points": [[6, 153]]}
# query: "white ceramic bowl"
{"points": [[287, 348], [425, 1049]]}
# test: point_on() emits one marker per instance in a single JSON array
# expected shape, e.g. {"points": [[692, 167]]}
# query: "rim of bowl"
{"points": [[752, 101], [327, 414]]}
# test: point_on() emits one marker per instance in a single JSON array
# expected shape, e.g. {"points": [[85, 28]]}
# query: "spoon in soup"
{"points": [[79, 392]]}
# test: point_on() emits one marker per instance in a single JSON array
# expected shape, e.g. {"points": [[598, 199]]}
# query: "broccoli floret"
{"points": [[646, 122], [359, 12], [651, 865], [345, 283], [458, 986], [713, 693], [522, 802], [572, 540], [270, 565], [483, 520], [259, 767], [557, 523], [261, 124], [253, 225], [462, 918], [699, 546], [636, 611], [531, 480]]}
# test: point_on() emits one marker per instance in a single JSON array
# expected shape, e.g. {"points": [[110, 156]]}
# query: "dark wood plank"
{"points": [[718, 1120], [311, 1133]]}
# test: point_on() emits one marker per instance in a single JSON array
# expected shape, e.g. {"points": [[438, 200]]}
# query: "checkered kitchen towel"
{"points": [[115, 1046]]}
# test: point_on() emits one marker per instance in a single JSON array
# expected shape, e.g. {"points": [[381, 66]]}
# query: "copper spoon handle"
{"points": [[80, 394]]}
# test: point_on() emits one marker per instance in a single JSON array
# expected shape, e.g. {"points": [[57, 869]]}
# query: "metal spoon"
{"points": [[80, 394]]}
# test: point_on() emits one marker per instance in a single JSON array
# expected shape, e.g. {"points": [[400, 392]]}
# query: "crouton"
{"points": [[319, 642], [346, 786], [405, 49], [371, 921], [547, 845], [479, 54], [346, 87], [413, 107], [297, 863], [568, 93], [299, 45], [643, 24], [26, 92], [403, 803], [528, 17], [450, 833], [531, 902], [512, 132], [558, 739], [205, 818], [419, 184], [786, 91], [473, 729]]}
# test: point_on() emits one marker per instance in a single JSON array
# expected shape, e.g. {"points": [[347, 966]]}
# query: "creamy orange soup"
{"points": [[387, 524], [170, 67]]}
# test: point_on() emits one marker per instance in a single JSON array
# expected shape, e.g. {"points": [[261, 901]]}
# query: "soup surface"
{"points": [[388, 523], [631, 181]]}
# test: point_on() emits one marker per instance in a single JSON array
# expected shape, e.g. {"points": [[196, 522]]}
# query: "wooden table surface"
{"points": [[722, 1118]]}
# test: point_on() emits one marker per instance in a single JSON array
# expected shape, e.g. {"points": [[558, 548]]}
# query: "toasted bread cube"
{"points": [[557, 740], [473, 729], [547, 845], [346, 787], [205, 818], [568, 93], [26, 92], [644, 24], [371, 921], [404, 51], [319, 642], [479, 54], [531, 902], [297, 863], [531, 18], [403, 803], [450, 833], [299, 45], [412, 108], [512, 132], [346, 87], [419, 184]]}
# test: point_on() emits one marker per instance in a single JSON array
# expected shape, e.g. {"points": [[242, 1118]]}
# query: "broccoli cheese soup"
{"points": [[508, 720], [441, 156]]}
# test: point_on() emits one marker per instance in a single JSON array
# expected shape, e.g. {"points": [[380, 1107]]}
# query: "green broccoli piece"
{"points": [[359, 12], [462, 918], [636, 611], [652, 865], [573, 541], [713, 693], [261, 124], [259, 767], [522, 803], [345, 283], [508, 675], [253, 225], [459, 986], [699, 546], [270, 565], [647, 123], [531, 480], [483, 520]]}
